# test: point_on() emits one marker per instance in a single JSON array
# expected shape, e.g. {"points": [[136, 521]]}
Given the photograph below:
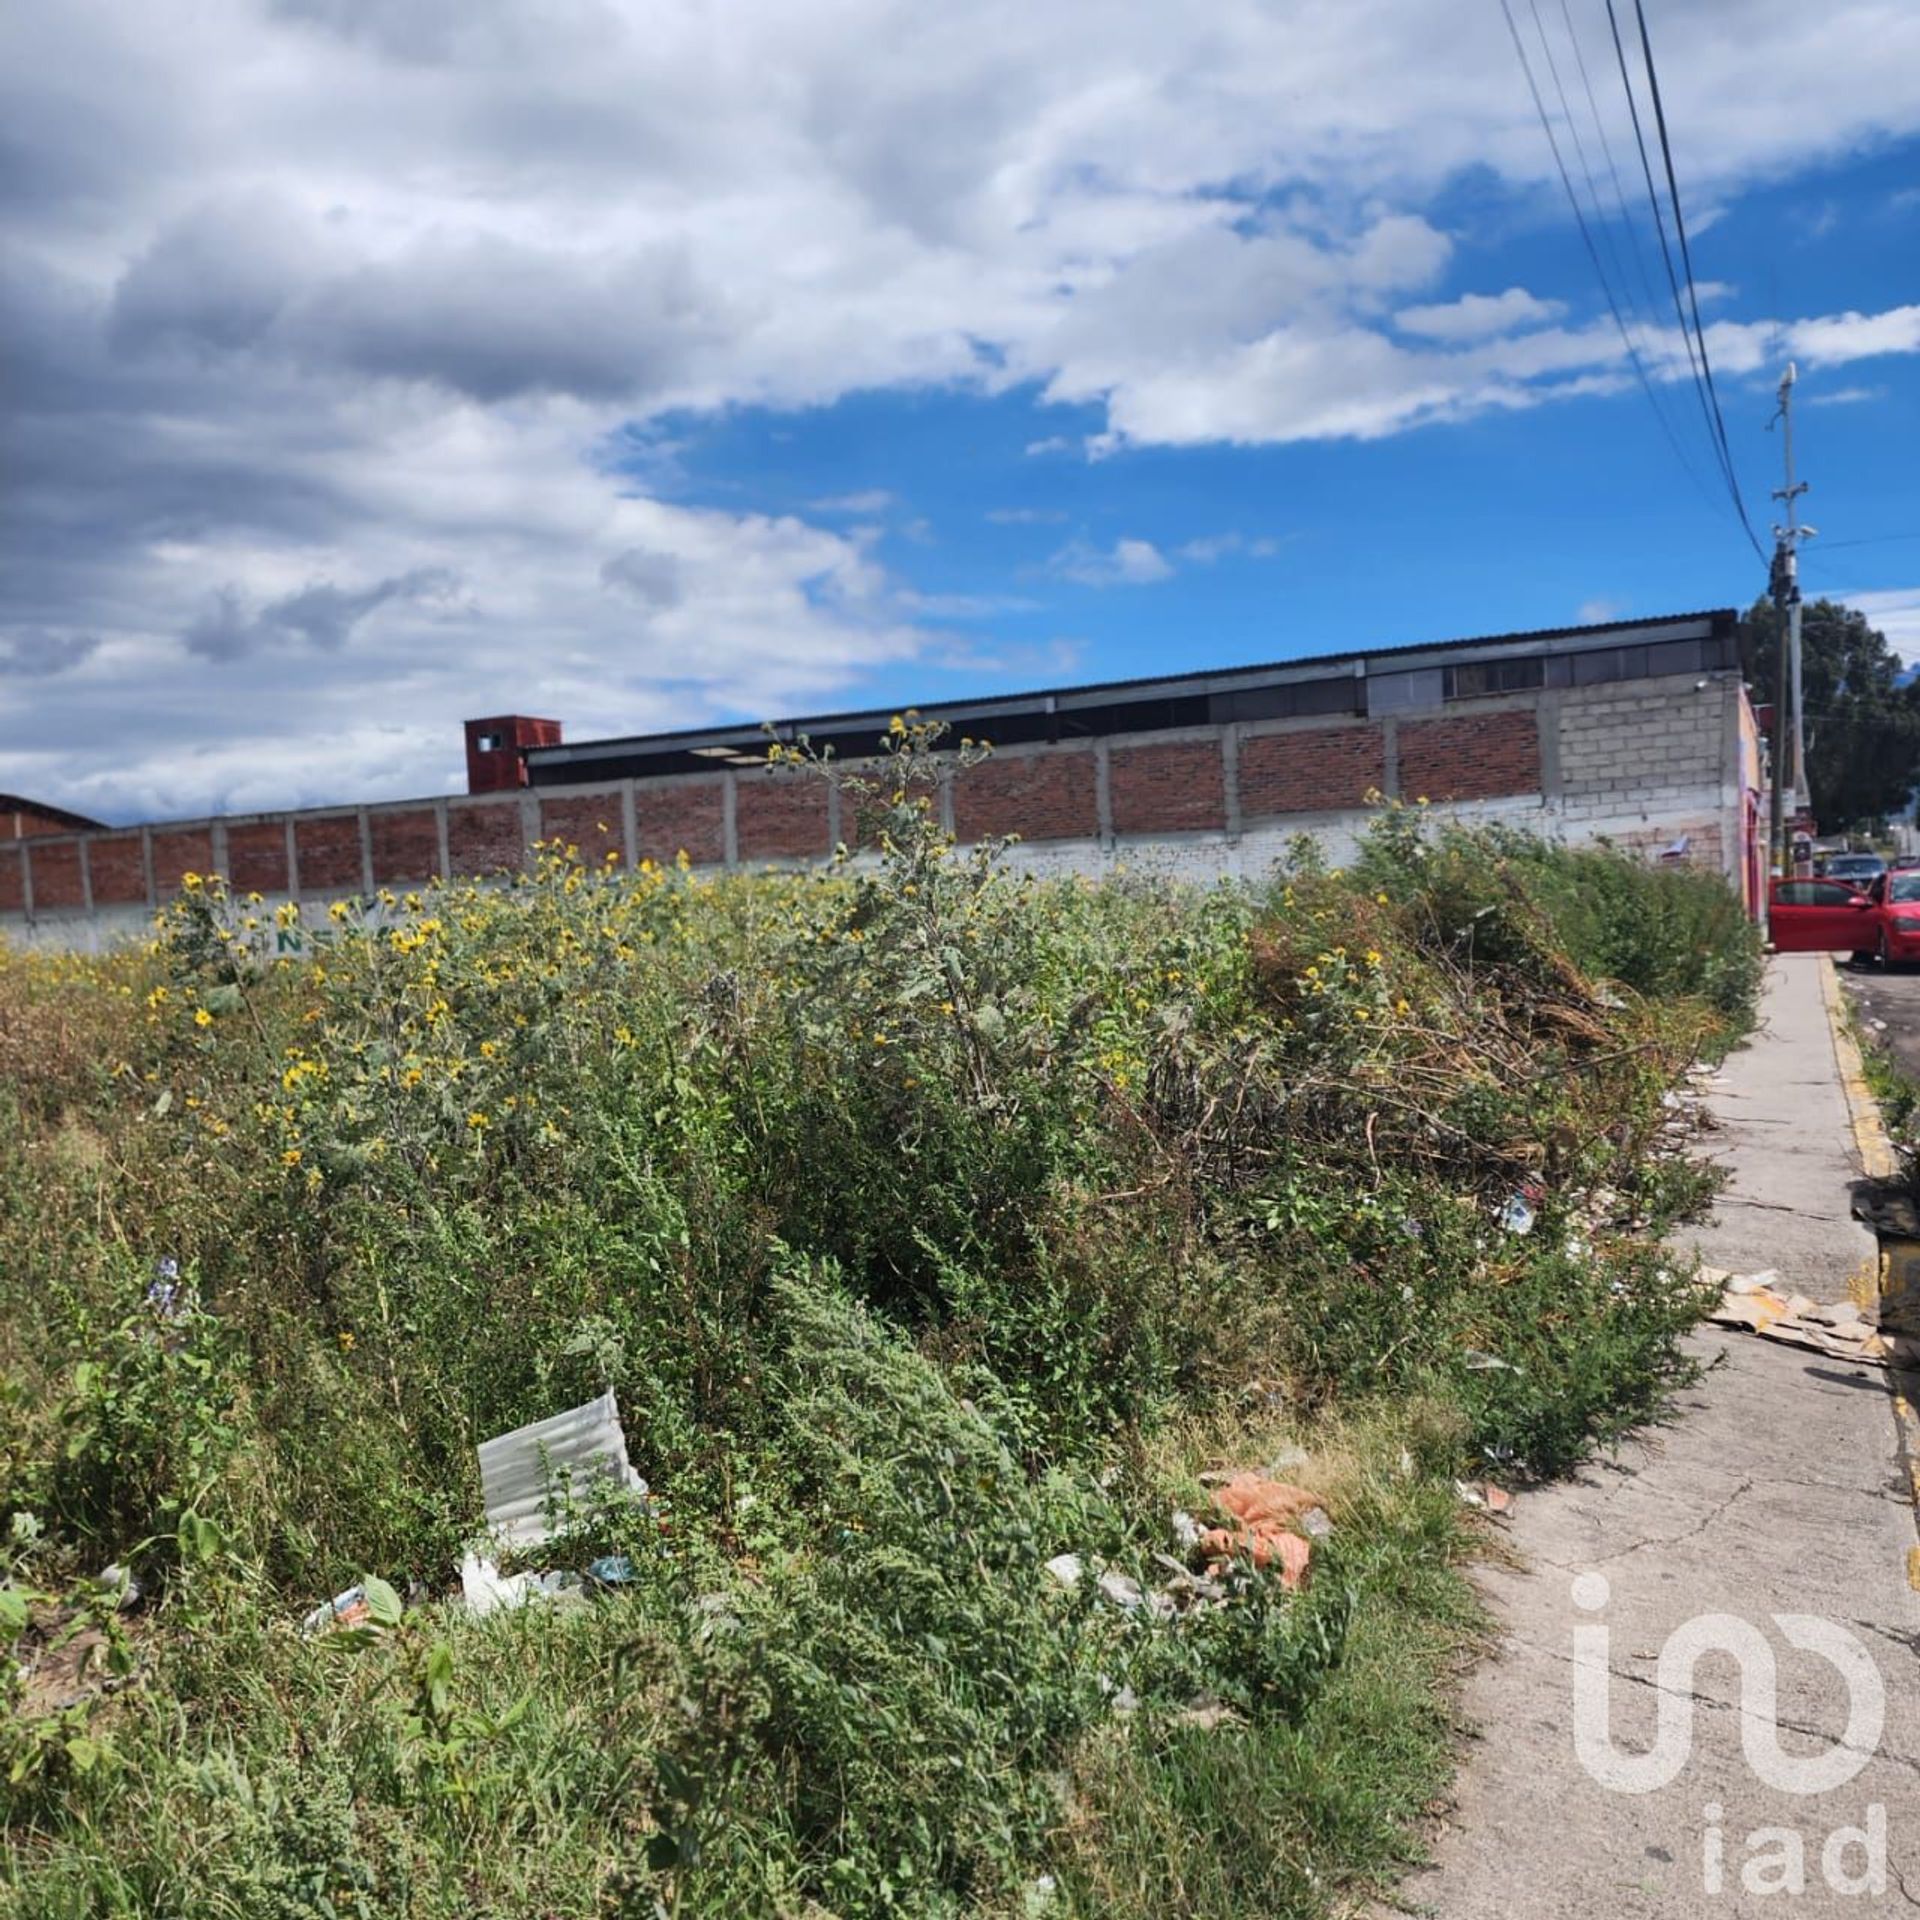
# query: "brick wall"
{"points": [[1311, 772], [406, 847], [1478, 756], [257, 857], [780, 817], [689, 818], [176, 853], [56, 876], [1641, 764], [329, 852], [589, 821], [119, 870], [1178, 786], [1051, 795], [484, 837]]}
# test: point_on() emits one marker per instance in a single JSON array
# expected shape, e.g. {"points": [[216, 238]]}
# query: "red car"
{"points": [[1822, 916], [1828, 916], [1896, 905]]}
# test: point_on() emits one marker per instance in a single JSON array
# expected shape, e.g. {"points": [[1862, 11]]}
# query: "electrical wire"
{"points": [[1645, 307], [1660, 230], [1686, 261], [1579, 213], [1601, 225]]}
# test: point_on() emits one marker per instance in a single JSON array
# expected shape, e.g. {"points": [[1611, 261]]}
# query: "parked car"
{"points": [[1906, 863], [1896, 905], [1823, 916], [1859, 868]]}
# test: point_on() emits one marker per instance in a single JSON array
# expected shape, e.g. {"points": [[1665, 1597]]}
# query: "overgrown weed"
{"points": [[929, 1222]]}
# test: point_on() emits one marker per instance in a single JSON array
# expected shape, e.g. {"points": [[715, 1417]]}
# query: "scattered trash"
{"points": [[1841, 1331], [1484, 1494], [119, 1584], [1521, 1210], [1206, 1713], [530, 1481], [1287, 1460], [1315, 1524], [1478, 1362], [349, 1609], [1186, 1529], [1263, 1512], [164, 1293], [1130, 1596], [558, 1462], [1066, 1568]]}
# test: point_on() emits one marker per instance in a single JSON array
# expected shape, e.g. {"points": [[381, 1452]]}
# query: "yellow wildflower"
{"points": [[201, 1017]]}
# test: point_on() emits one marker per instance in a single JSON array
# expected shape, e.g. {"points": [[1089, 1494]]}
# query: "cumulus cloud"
{"points": [[314, 308], [1476, 316], [1127, 563], [321, 614]]}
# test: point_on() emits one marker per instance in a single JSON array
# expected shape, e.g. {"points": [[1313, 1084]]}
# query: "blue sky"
{"points": [[376, 363], [1508, 520]]}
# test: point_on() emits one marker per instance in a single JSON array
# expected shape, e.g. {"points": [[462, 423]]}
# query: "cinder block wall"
{"points": [[1644, 763]]}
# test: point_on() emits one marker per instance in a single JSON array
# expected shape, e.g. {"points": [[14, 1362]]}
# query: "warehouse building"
{"points": [[1636, 731]]}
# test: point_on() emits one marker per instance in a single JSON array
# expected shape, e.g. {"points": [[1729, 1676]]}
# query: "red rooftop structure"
{"points": [[497, 750]]}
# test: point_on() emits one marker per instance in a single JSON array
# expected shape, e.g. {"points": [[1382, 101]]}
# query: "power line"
{"points": [[1686, 261], [1673, 279], [1579, 213], [1871, 540], [1601, 223], [1613, 172]]}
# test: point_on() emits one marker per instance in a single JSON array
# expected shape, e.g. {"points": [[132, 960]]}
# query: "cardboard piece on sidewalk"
{"points": [[1838, 1331]]}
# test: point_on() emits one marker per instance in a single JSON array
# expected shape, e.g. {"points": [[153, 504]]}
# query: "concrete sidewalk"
{"points": [[1774, 1490]]}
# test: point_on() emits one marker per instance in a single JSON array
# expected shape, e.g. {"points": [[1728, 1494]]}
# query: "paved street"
{"points": [[1776, 1490], [1889, 1007]]}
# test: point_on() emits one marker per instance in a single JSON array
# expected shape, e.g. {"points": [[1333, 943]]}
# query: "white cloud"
{"points": [[1218, 546], [1844, 396], [868, 501], [1475, 316], [1597, 611], [1127, 563], [338, 332], [1895, 611], [1025, 516]]}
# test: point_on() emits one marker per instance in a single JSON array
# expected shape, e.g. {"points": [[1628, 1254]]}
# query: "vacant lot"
{"points": [[929, 1224]]}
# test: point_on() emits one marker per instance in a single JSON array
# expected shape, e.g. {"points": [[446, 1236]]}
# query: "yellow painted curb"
{"points": [[1870, 1142]]}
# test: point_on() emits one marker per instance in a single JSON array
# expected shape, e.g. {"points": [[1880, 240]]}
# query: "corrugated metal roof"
{"points": [[1354, 660]]}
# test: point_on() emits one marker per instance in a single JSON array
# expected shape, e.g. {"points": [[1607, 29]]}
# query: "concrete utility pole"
{"points": [[1786, 679]]}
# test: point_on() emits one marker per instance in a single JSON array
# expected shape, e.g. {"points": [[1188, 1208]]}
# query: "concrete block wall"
{"points": [[1643, 763]]}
